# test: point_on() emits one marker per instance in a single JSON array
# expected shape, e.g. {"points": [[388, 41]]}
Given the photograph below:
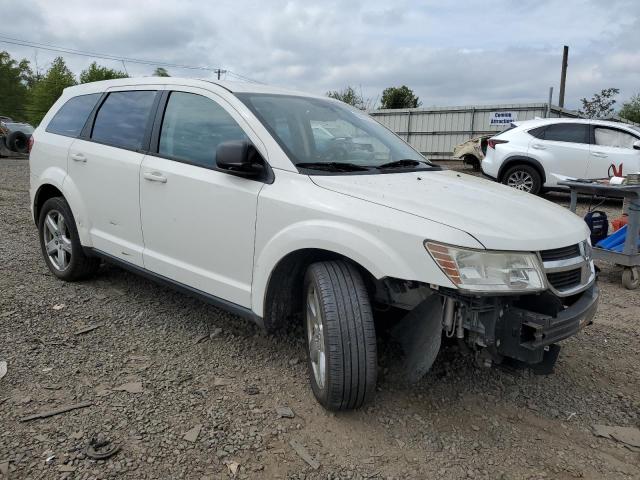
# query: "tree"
{"points": [[161, 72], [600, 105], [14, 83], [48, 89], [631, 109], [350, 96], [399, 97], [97, 72]]}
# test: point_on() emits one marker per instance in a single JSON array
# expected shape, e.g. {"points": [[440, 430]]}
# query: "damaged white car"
{"points": [[232, 193]]}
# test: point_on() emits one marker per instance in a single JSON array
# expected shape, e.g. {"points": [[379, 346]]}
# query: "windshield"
{"points": [[317, 133], [19, 127]]}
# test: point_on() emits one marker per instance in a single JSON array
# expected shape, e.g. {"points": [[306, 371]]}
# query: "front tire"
{"points": [[60, 242], [523, 177], [340, 333]]}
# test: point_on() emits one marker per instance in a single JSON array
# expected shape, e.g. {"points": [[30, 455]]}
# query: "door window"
{"points": [[192, 128], [567, 132], [611, 137], [122, 119], [72, 115]]}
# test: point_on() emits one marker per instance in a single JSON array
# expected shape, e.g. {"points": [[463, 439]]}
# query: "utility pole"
{"points": [[548, 115], [218, 71], [563, 75]]}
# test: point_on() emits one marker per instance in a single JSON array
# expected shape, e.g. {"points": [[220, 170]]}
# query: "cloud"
{"points": [[449, 53]]}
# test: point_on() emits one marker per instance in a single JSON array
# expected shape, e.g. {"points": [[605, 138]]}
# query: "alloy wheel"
{"points": [[57, 240], [315, 337], [520, 180]]}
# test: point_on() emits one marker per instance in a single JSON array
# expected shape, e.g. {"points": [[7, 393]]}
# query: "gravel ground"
{"points": [[188, 391]]}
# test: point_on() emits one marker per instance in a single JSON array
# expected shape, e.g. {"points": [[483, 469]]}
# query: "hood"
{"points": [[499, 217]]}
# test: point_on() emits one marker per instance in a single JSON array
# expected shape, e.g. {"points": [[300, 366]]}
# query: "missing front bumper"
{"points": [[523, 334]]}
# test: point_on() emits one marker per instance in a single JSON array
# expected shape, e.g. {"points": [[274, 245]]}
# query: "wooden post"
{"points": [[563, 75]]}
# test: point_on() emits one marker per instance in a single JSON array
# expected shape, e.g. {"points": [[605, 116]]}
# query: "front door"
{"points": [[612, 153], [105, 170], [198, 221]]}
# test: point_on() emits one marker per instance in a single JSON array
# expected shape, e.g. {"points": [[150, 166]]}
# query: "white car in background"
{"points": [[537, 154]]}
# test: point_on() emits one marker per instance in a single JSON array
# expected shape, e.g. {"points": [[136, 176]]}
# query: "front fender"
{"points": [[369, 251]]}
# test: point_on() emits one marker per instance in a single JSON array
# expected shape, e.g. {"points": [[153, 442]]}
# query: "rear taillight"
{"points": [[492, 142], [31, 140]]}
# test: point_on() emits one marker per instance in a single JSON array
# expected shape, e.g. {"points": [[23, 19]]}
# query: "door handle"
{"points": [[538, 146], [78, 157], [154, 177], [599, 154]]}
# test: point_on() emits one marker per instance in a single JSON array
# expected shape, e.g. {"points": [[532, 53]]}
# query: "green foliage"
{"points": [[48, 89], [399, 97], [350, 96], [161, 72], [631, 109], [96, 72], [14, 81], [600, 105]]}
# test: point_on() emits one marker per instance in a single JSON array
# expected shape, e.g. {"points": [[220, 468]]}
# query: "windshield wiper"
{"points": [[407, 163], [333, 166]]}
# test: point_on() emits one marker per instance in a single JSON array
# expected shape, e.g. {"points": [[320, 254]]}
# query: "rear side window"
{"points": [[567, 132], [122, 119], [72, 115], [192, 128], [538, 132], [612, 137]]}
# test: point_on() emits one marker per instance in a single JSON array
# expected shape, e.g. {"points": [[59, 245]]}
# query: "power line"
{"points": [[106, 56]]}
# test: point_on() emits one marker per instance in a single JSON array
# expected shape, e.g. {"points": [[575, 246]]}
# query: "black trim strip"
{"points": [[181, 287]]}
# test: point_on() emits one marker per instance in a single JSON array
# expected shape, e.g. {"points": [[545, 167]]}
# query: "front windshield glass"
{"points": [[316, 131]]}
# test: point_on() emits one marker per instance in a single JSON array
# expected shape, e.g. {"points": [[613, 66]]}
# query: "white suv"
{"points": [[233, 193], [537, 154]]}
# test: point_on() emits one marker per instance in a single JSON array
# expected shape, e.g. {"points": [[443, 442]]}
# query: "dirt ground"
{"points": [[162, 365]]}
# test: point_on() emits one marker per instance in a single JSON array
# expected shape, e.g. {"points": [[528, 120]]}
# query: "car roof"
{"points": [[213, 85], [538, 122]]}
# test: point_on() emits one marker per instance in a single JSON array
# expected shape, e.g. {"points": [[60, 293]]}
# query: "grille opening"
{"points": [[564, 280], [562, 253]]}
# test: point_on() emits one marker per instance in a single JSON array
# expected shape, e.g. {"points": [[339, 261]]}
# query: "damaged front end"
{"points": [[519, 328]]}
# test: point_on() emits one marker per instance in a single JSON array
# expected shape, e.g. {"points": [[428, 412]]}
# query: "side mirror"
{"points": [[240, 157], [636, 145]]}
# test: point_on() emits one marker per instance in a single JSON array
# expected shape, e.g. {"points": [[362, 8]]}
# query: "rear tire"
{"points": [[60, 242], [18, 142], [341, 337], [523, 177]]}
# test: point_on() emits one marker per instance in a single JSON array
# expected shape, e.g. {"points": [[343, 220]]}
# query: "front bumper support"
{"points": [[523, 334]]}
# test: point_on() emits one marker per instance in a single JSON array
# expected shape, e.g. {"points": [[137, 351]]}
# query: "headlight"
{"points": [[487, 271]]}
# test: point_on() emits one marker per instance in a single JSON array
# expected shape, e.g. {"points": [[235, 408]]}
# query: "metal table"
{"points": [[629, 257]]}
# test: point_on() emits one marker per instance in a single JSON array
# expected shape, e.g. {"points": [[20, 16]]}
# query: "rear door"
{"points": [[104, 166], [612, 152], [563, 150]]}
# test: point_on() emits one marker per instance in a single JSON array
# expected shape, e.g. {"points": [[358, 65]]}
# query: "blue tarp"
{"points": [[615, 241]]}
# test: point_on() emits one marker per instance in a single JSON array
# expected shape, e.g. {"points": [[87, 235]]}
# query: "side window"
{"points": [[538, 132], [610, 137], [72, 116], [122, 118], [567, 132], [192, 128]]}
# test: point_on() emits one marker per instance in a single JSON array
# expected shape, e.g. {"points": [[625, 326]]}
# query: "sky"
{"points": [[449, 53]]}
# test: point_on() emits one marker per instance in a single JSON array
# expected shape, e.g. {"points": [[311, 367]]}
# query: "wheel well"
{"points": [[522, 161], [283, 299], [44, 193]]}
